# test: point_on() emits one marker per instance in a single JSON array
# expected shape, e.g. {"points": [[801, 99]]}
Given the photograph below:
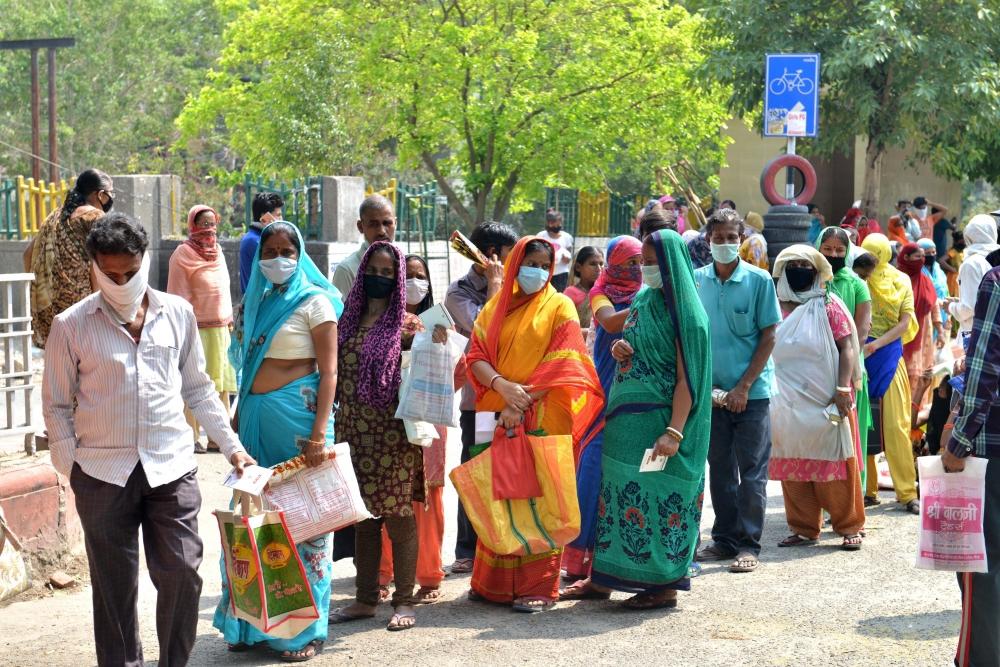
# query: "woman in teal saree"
{"points": [[661, 398]]}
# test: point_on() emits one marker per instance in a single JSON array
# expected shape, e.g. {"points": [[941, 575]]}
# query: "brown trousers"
{"points": [[805, 502], [368, 558]]}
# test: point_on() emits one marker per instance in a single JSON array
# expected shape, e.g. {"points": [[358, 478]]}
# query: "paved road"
{"points": [[811, 606]]}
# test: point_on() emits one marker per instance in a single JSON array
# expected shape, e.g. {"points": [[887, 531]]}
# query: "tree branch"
{"points": [[453, 199]]}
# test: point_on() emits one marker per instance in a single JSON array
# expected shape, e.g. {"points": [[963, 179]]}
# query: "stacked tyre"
{"points": [[785, 225]]}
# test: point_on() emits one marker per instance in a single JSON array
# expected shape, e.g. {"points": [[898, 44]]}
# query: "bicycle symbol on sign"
{"points": [[791, 82]]}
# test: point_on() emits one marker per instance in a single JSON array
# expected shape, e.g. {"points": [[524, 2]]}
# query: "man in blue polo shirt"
{"points": [[743, 313]]}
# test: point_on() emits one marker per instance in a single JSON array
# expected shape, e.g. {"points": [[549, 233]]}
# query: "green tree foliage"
{"points": [[897, 72], [118, 90], [492, 97]]}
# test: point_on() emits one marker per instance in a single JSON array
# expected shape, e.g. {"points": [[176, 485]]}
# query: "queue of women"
{"points": [[850, 356], [621, 363]]}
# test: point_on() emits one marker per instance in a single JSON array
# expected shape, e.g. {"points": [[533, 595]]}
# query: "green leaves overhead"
{"points": [[492, 97], [916, 72]]}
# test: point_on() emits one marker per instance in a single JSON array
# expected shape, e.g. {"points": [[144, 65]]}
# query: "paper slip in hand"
{"points": [[253, 481], [436, 315], [649, 465]]}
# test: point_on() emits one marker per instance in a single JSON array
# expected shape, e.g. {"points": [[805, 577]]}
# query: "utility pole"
{"points": [[34, 45]]}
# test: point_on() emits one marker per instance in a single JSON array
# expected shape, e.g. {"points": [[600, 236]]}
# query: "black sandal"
{"points": [[316, 645]]}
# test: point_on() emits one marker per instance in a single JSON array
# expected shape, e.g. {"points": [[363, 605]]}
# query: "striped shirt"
{"points": [[977, 428], [129, 396]]}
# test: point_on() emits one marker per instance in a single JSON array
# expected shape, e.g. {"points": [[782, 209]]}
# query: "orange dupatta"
{"points": [[535, 339]]}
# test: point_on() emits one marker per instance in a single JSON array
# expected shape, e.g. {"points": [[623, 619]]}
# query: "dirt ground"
{"points": [[809, 606]]}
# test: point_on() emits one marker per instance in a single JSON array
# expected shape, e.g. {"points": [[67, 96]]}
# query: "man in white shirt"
{"points": [[564, 248], [376, 222], [119, 367]]}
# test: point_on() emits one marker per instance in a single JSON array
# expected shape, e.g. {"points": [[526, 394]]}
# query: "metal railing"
{"points": [[303, 202], [16, 372]]}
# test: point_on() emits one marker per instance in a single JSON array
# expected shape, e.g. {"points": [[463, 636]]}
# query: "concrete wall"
{"points": [[905, 178], [841, 177]]}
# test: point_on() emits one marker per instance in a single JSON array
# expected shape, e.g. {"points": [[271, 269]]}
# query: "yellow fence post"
{"points": [[36, 201]]}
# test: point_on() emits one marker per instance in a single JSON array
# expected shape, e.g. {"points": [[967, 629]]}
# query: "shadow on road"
{"points": [[925, 627]]}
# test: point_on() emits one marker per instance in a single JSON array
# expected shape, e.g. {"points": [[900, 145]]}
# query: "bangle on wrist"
{"points": [[677, 435], [844, 390], [494, 379]]}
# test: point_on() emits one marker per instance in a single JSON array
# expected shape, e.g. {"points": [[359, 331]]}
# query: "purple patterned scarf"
{"points": [[378, 372]]}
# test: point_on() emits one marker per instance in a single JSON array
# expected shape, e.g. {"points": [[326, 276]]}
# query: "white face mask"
{"points": [[279, 269], [125, 299], [652, 277], [416, 290]]}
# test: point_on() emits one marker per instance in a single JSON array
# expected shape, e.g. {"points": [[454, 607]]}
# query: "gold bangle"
{"points": [[678, 436], [321, 443]]}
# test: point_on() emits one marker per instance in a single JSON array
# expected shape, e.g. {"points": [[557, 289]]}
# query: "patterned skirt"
{"points": [[390, 470]]}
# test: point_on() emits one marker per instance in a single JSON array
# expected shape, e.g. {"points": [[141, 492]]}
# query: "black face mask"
{"points": [[929, 260], [836, 263], [555, 230], [378, 287], [800, 279], [959, 247], [111, 202]]}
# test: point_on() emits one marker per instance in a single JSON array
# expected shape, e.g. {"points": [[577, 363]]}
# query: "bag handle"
{"points": [[246, 504]]}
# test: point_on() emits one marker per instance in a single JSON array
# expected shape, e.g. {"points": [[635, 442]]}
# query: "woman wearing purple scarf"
{"points": [[389, 469]]}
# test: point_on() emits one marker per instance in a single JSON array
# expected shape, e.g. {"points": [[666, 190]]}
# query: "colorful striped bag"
{"points": [[523, 527]]}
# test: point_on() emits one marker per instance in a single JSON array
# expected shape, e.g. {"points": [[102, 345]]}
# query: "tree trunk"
{"points": [[874, 155]]}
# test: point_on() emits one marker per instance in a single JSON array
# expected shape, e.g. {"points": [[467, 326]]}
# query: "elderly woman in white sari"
{"points": [[815, 447]]}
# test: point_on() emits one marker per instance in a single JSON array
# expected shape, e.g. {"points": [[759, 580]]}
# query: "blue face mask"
{"points": [[531, 278]]}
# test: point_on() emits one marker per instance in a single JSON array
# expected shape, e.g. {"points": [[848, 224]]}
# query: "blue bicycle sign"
{"points": [[791, 95], [791, 81]]}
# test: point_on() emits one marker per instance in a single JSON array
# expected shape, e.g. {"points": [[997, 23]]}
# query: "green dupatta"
{"points": [[648, 522]]}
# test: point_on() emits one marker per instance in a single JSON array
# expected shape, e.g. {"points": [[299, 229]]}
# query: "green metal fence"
{"points": [[566, 201], [10, 226], [621, 211], [303, 202]]}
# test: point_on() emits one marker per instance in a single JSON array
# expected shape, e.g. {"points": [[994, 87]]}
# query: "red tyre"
{"points": [[774, 167]]}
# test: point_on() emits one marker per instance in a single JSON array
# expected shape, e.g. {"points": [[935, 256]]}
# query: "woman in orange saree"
{"points": [[528, 356]]}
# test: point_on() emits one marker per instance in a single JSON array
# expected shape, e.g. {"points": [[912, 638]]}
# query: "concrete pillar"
{"points": [[342, 196], [154, 200]]}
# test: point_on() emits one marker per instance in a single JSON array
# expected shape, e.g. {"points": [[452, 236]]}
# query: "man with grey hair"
{"points": [[376, 222]]}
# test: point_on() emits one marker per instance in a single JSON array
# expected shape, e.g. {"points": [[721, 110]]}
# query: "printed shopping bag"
{"points": [[526, 526], [267, 582], [951, 516], [428, 394], [318, 500], [513, 465]]}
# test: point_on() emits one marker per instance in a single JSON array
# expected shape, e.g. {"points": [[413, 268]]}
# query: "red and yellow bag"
{"points": [[526, 526]]}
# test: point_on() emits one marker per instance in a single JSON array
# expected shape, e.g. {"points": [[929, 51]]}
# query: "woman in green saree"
{"points": [[662, 399]]}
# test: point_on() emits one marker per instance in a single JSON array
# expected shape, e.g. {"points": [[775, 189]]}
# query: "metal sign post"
{"points": [[791, 102]]}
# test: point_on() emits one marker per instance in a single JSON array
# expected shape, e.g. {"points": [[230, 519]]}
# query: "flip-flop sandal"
{"points": [[797, 541], [582, 591], [238, 647], [383, 593], [428, 595], [395, 625], [913, 507], [646, 602], [872, 501], [212, 447], [753, 561], [339, 616], [462, 566], [713, 552], [851, 543], [316, 645], [525, 608]]}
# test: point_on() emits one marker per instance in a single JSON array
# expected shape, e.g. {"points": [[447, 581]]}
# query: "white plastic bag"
{"points": [[951, 516], [428, 395]]}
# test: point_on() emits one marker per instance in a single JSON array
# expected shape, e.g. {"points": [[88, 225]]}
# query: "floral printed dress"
{"points": [[390, 470]]}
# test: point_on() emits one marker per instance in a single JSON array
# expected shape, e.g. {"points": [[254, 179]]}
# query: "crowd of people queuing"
{"points": [[798, 368]]}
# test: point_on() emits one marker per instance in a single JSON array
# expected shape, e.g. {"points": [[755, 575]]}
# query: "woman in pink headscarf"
{"points": [[198, 273]]}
